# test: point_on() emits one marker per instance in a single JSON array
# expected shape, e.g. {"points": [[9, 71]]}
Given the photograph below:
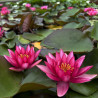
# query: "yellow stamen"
{"points": [[24, 55], [66, 67]]}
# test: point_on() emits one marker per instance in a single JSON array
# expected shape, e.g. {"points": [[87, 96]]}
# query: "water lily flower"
{"points": [[64, 69], [22, 59], [28, 5], [88, 9], [70, 7], [44, 7], [1, 32], [5, 11], [33, 8], [92, 13], [1, 4]]}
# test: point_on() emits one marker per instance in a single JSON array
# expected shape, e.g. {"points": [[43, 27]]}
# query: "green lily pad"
{"points": [[85, 88], [94, 33], [10, 35], [72, 25], [72, 94], [9, 80], [40, 35], [35, 80], [68, 40], [22, 40], [3, 50], [92, 59]]}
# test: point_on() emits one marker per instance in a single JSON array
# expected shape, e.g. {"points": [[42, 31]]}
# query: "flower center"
{"points": [[24, 55], [66, 67]]}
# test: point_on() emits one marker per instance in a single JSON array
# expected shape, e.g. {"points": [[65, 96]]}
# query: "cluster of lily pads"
{"points": [[42, 48]]}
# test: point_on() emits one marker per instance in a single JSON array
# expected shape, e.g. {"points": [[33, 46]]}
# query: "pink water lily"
{"points": [[28, 5], [22, 59], [92, 13], [33, 8], [5, 11], [44, 7], [70, 7], [88, 9], [64, 69]]}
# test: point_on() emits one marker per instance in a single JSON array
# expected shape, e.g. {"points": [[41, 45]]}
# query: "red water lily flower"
{"points": [[44, 7], [22, 59], [5, 11], [64, 69], [28, 5]]}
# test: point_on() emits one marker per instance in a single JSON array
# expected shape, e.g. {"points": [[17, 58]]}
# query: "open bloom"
{"points": [[28, 5], [33, 8], [70, 7], [22, 59], [88, 9], [1, 32], [64, 69], [44, 7], [5, 11], [92, 13]]}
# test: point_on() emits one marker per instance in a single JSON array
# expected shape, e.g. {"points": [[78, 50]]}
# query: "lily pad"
{"points": [[68, 40], [9, 80], [40, 35], [35, 80], [85, 88]]}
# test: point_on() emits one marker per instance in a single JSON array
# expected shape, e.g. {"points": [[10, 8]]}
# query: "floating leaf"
{"points": [[92, 59], [94, 33], [22, 40], [72, 25], [10, 35], [35, 80], [9, 80], [68, 40], [40, 35], [85, 88]]}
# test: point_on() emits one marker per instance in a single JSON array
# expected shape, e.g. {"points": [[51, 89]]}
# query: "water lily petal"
{"points": [[37, 53], [83, 78], [61, 53], [53, 77], [25, 65], [12, 61], [72, 62], [44, 68], [69, 57], [15, 69], [36, 63], [11, 53], [62, 88], [49, 60], [58, 56], [79, 61], [83, 70], [51, 56], [28, 49]]}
